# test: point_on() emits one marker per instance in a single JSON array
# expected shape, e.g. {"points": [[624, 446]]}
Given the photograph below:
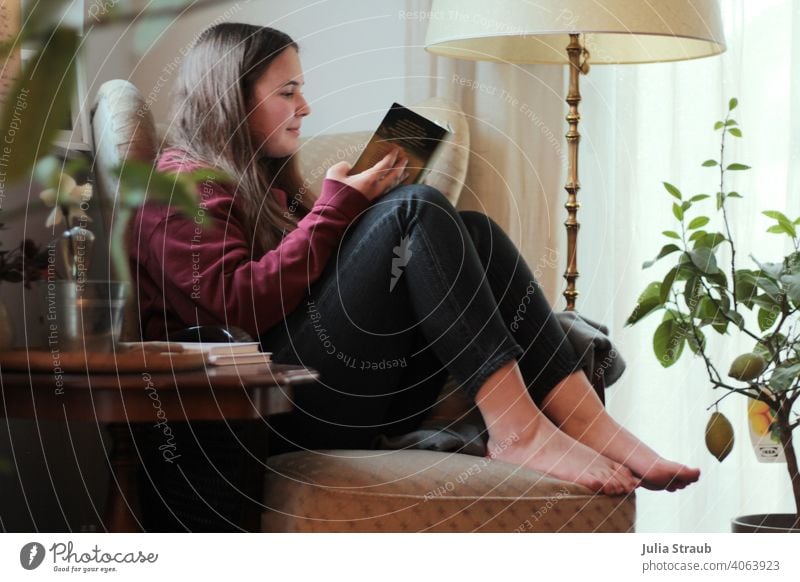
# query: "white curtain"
{"points": [[643, 125]]}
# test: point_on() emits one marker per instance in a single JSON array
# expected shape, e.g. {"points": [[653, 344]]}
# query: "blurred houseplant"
{"points": [[40, 99], [699, 294]]}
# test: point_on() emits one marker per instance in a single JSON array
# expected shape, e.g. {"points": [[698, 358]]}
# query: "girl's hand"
{"points": [[378, 180]]}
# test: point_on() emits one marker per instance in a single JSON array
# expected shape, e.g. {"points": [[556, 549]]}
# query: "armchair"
{"points": [[373, 490]]}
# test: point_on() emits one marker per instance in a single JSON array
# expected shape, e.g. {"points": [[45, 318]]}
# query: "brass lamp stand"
{"points": [[575, 51]]}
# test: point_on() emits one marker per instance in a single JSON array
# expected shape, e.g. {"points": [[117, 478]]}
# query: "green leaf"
{"points": [[38, 103], [720, 199], [668, 342], [793, 262], [671, 234], [666, 285], [784, 376], [721, 327], [783, 221], [736, 318], [697, 234], [734, 195], [648, 303], [710, 163], [732, 104], [692, 292], [693, 342], [708, 311], [731, 122], [665, 250], [699, 222], [762, 350], [720, 281], [778, 229], [703, 258], [771, 270], [767, 318], [746, 287], [673, 190], [677, 211], [735, 132], [709, 240], [775, 215], [791, 284], [737, 167], [719, 125], [767, 302], [699, 197]]}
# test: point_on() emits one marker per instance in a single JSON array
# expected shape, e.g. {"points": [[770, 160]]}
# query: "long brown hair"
{"points": [[209, 123]]}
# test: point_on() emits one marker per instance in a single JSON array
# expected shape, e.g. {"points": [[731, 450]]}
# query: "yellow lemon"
{"points": [[719, 436], [747, 367]]}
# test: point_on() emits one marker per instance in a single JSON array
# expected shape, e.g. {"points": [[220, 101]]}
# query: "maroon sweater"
{"points": [[187, 275]]}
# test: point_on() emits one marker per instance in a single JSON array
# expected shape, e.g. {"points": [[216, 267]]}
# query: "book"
{"points": [[215, 353], [220, 348], [417, 135], [239, 359], [216, 348]]}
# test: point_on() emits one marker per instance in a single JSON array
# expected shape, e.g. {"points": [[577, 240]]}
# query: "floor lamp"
{"points": [[575, 33]]}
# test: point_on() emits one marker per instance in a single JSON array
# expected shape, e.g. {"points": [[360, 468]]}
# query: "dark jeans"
{"points": [[416, 291]]}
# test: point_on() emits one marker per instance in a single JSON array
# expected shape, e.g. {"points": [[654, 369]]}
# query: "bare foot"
{"points": [[577, 411], [520, 433], [607, 437], [664, 474], [546, 449]]}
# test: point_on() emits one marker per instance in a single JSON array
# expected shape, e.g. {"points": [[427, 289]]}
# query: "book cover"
{"points": [[418, 136]]}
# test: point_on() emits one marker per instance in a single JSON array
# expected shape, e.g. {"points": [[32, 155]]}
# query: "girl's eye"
{"points": [[288, 94]]}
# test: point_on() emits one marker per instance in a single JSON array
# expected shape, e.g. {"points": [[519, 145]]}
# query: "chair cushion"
{"points": [[415, 491], [448, 169]]}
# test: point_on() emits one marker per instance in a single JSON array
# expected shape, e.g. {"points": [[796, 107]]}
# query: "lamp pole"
{"points": [[575, 51]]}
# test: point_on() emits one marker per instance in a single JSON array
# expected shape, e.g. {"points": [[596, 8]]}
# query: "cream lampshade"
{"points": [[577, 33]]}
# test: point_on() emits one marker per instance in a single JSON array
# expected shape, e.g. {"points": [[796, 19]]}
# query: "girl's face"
{"points": [[277, 106]]}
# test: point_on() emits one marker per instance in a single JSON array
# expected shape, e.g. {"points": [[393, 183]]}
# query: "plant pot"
{"points": [[83, 316], [766, 523]]}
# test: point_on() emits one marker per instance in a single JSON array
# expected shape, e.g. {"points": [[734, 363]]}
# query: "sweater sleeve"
{"points": [[209, 276]]}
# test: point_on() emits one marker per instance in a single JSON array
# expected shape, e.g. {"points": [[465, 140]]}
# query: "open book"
{"points": [[418, 136]]}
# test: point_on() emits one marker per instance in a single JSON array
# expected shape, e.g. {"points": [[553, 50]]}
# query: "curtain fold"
{"points": [[643, 125]]}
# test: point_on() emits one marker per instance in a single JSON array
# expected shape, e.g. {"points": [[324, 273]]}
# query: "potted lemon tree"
{"points": [[701, 296]]}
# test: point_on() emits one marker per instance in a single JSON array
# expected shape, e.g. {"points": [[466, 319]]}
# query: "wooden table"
{"points": [[122, 400]]}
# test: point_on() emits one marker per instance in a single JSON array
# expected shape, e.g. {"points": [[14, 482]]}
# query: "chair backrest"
{"points": [[122, 129]]}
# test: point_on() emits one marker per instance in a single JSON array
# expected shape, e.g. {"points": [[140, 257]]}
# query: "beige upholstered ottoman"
{"points": [[424, 491]]}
